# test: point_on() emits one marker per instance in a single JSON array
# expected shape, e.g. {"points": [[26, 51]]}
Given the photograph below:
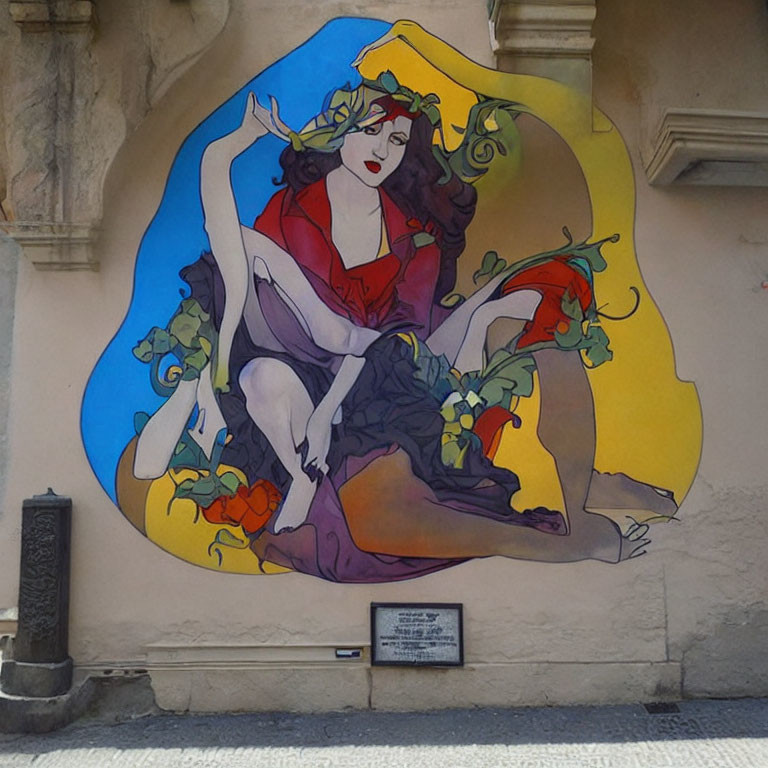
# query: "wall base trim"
{"points": [[319, 686]]}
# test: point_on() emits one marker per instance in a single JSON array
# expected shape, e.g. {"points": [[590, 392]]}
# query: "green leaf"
{"points": [[161, 342], [185, 327], [191, 455], [592, 254], [448, 412], [205, 484], [449, 453], [596, 346], [228, 539], [490, 266], [459, 462], [521, 371], [492, 393], [184, 488], [230, 481], [499, 267], [498, 358], [388, 82], [452, 428], [420, 239], [192, 308], [452, 300], [571, 307], [597, 355], [143, 351], [197, 360], [571, 339], [432, 113]]}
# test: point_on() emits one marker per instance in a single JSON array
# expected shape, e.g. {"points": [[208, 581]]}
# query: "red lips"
{"points": [[373, 166]]}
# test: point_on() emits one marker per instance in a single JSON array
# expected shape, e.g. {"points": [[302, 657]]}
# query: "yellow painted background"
{"points": [[648, 421]]}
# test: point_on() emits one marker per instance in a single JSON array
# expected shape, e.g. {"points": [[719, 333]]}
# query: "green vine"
{"points": [[508, 374], [189, 336]]}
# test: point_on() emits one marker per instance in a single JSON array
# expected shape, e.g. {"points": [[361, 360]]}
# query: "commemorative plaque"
{"points": [[417, 634]]}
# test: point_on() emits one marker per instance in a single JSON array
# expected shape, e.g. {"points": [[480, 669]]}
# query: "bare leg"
{"points": [[567, 420], [416, 524], [469, 353], [567, 430], [280, 406], [448, 337]]}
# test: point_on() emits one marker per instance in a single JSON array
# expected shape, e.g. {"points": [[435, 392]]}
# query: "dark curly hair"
{"points": [[418, 187]]}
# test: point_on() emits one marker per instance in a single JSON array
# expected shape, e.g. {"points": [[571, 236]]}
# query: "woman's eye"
{"points": [[398, 140], [372, 130]]}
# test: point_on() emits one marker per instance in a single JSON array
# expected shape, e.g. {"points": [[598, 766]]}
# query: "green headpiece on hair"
{"points": [[490, 126]]}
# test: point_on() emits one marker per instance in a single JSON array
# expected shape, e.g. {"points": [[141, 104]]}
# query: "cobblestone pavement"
{"points": [[721, 734]]}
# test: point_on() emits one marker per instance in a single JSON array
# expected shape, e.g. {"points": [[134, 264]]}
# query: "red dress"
{"points": [[553, 279], [392, 293]]}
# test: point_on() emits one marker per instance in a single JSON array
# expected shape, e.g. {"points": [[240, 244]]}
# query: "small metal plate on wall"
{"points": [[417, 634]]}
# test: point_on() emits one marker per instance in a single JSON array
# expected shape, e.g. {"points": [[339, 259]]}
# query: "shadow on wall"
{"points": [[9, 256]]}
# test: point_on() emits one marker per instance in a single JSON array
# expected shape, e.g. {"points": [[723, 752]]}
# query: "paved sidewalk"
{"points": [[720, 734]]}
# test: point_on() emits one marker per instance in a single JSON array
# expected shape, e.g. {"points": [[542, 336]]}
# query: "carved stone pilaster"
{"points": [[549, 38], [54, 177], [40, 665]]}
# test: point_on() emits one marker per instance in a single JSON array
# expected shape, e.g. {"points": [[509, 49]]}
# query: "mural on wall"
{"points": [[388, 318]]}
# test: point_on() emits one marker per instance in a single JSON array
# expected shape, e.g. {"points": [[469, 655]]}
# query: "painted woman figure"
{"points": [[334, 373]]}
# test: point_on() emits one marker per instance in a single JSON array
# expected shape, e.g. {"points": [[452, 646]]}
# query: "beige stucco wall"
{"points": [[704, 255], [688, 619]]}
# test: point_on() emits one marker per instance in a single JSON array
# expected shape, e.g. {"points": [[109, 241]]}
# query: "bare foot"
{"points": [[634, 542], [295, 507]]}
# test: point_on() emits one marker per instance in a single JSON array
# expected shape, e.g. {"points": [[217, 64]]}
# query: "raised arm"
{"points": [[223, 226]]}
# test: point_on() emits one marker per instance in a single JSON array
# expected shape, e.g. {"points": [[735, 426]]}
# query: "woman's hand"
{"points": [[256, 122], [318, 440]]}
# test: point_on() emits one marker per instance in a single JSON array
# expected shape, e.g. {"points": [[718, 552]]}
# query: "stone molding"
{"points": [[709, 147], [546, 38], [561, 28], [65, 15], [243, 656], [55, 245], [9, 621]]}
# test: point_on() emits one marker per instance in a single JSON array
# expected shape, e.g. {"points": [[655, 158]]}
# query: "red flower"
{"points": [[552, 279], [489, 426], [250, 508]]}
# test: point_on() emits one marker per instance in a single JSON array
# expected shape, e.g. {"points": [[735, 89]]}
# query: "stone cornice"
{"points": [[535, 28], [710, 147], [55, 245], [64, 15]]}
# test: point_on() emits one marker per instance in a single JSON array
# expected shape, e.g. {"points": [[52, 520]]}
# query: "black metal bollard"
{"points": [[40, 665]]}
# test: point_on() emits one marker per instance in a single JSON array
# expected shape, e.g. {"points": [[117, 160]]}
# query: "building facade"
{"points": [[630, 118]]}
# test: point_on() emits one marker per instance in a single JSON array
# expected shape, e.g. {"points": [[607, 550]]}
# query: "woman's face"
{"points": [[373, 153]]}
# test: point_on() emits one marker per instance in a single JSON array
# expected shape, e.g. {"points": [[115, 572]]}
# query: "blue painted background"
{"points": [[119, 384]]}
